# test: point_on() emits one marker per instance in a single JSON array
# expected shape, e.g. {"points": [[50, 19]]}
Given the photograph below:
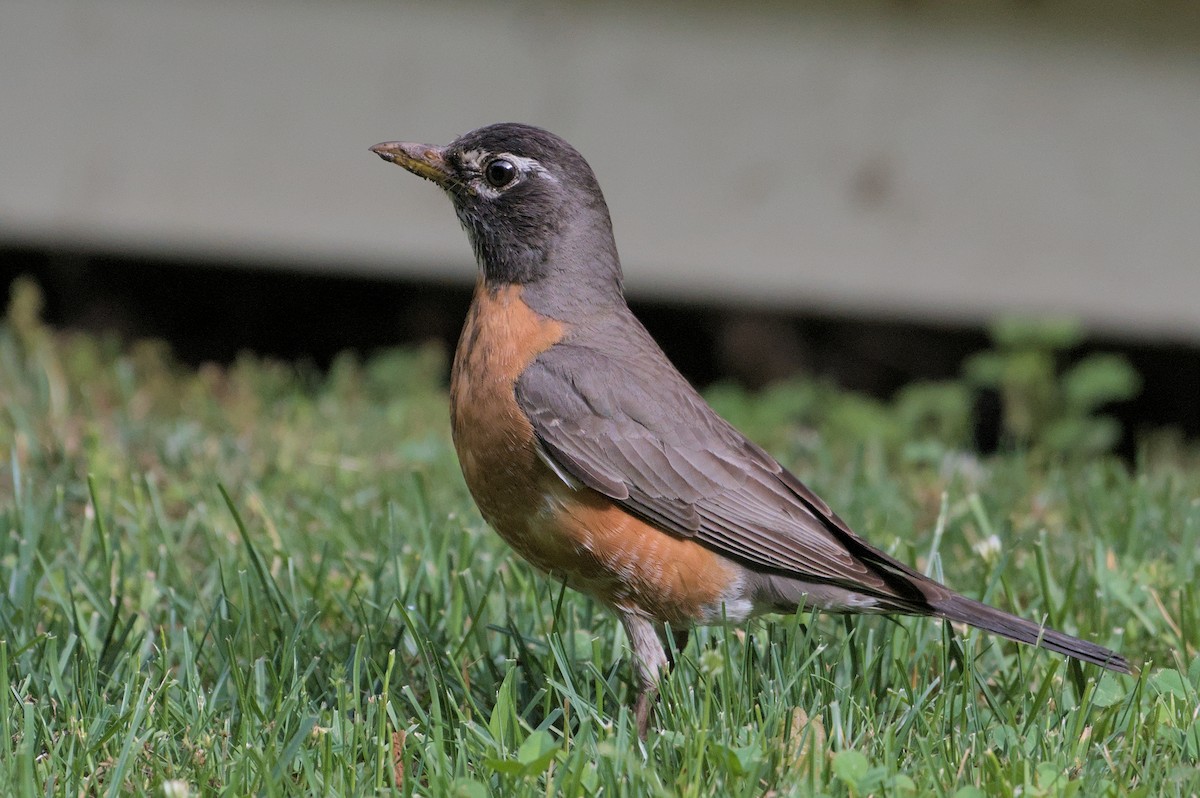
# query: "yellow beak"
{"points": [[423, 160]]}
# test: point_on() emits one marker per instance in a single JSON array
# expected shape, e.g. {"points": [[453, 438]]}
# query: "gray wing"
{"points": [[625, 423]]}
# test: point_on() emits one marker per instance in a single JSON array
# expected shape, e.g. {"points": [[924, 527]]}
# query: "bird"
{"points": [[589, 453]]}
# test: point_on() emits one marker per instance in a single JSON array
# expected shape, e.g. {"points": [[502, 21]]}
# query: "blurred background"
{"points": [[852, 190]]}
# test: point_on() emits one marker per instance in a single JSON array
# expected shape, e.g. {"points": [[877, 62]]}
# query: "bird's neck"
{"points": [[574, 273]]}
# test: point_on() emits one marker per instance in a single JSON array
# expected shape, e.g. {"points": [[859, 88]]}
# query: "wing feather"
{"points": [[628, 426]]}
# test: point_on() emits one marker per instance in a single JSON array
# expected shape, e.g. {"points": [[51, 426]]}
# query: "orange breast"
{"points": [[574, 533], [494, 439]]}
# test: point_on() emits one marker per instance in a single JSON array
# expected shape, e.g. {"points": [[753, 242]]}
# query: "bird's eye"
{"points": [[499, 173]]}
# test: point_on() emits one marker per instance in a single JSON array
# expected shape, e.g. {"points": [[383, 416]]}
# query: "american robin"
{"points": [[595, 459]]}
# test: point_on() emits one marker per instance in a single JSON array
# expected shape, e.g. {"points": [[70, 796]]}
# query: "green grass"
{"points": [[262, 580]]}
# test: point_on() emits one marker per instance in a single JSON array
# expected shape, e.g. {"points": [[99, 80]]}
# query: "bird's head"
{"points": [[530, 205]]}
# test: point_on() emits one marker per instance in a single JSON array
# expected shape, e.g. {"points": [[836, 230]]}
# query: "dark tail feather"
{"points": [[954, 607]]}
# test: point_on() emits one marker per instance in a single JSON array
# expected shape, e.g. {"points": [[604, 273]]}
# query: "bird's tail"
{"points": [[954, 607]]}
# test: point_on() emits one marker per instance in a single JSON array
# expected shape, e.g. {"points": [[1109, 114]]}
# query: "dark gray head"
{"points": [[530, 205]]}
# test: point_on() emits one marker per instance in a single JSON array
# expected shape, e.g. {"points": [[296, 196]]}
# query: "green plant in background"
{"points": [[1043, 406]]}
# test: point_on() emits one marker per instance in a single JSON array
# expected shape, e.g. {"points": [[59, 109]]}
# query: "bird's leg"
{"points": [[649, 661], [641, 709]]}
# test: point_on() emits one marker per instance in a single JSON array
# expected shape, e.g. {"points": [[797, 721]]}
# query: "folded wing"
{"points": [[628, 426]]}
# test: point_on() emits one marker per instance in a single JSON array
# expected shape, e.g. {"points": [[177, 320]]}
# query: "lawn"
{"points": [[263, 579]]}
